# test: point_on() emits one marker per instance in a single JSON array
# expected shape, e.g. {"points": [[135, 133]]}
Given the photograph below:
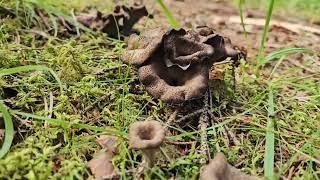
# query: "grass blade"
{"points": [[4, 72], [173, 22], [66, 124], [269, 147], [265, 33], [284, 52], [9, 131], [242, 18]]}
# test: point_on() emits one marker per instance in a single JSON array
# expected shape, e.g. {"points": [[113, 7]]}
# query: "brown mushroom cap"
{"points": [[145, 135], [219, 169], [141, 48]]}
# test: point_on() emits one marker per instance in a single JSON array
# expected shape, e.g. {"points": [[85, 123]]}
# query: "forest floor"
{"points": [[56, 124]]}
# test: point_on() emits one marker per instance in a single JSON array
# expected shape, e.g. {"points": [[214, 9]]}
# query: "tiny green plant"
{"points": [[6, 114]]}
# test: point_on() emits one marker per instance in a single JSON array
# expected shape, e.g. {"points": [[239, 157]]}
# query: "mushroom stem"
{"points": [[149, 157]]}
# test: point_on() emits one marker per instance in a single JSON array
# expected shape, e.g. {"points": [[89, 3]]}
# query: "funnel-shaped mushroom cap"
{"points": [[141, 48], [174, 66], [146, 135], [219, 169]]}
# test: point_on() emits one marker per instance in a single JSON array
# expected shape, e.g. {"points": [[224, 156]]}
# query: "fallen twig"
{"points": [[180, 142], [88, 108], [171, 120], [197, 112], [294, 27], [203, 124], [103, 71]]}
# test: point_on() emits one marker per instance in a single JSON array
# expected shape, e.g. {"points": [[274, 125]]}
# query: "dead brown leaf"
{"points": [[220, 169], [101, 165]]}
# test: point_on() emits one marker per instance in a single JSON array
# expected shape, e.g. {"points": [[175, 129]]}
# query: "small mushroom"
{"points": [[146, 136], [219, 169], [174, 65]]}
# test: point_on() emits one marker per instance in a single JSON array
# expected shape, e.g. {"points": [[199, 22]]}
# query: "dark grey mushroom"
{"points": [[174, 65]]}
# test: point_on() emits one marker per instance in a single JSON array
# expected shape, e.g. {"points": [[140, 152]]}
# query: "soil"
{"points": [[217, 14]]}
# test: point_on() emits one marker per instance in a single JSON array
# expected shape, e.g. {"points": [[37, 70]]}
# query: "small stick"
{"points": [[180, 142], [294, 27], [103, 98], [223, 62], [233, 136], [191, 115], [50, 104], [172, 118], [46, 110], [203, 124]]}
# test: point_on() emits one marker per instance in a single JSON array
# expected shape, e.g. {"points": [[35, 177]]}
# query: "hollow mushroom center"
{"points": [[187, 50], [173, 76], [146, 133]]}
